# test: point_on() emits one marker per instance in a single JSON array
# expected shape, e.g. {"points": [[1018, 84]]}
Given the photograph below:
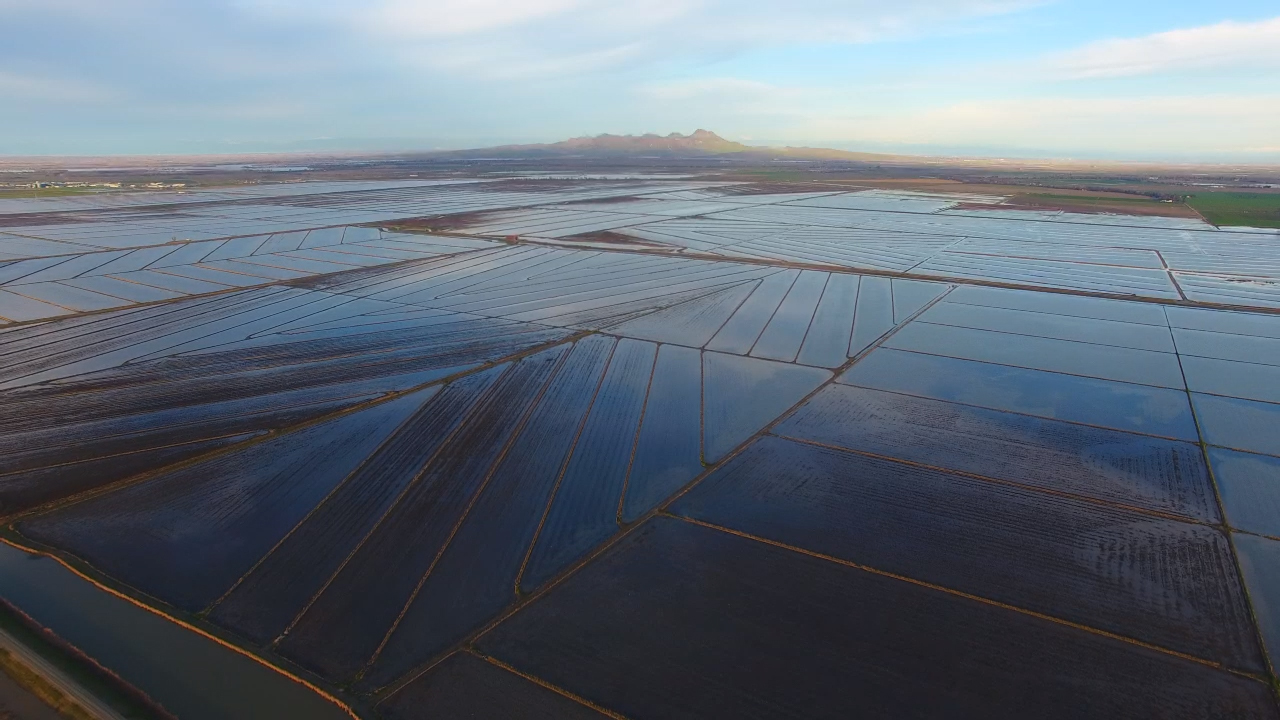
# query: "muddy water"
{"points": [[190, 675]]}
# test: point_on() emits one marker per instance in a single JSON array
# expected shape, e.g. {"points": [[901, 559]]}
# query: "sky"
{"points": [[1175, 79]]}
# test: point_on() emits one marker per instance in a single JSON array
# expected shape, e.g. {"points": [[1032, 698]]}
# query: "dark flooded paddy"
{"points": [[734, 470]]}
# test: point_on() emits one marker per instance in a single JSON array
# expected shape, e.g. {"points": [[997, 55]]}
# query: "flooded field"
{"points": [[788, 454]]}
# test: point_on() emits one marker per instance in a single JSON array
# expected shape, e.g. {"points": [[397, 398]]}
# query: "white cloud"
{"points": [[756, 21], [1225, 44], [415, 18], [524, 38]]}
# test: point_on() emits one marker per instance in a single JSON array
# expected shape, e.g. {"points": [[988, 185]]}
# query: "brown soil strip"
{"points": [[437, 223], [613, 238], [1089, 206], [770, 188]]}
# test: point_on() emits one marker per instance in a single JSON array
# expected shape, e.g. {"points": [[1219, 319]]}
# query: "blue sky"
{"points": [[1135, 79]]}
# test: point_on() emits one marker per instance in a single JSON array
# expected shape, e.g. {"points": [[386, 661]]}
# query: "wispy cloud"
{"points": [[755, 21], [716, 88], [746, 101], [801, 72], [1147, 124], [1225, 44], [1182, 123], [522, 38], [413, 18]]}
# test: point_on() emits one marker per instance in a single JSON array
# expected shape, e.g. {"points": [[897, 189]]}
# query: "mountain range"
{"points": [[699, 142]]}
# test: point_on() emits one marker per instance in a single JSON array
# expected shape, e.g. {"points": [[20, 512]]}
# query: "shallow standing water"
{"points": [[190, 675]]}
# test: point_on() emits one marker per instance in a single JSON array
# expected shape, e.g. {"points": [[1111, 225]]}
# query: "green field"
{"points": [[1083, 199], [1238, 208]]}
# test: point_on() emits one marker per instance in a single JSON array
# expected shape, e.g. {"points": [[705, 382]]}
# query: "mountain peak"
{"points": [[699, 142], [702, 141]]}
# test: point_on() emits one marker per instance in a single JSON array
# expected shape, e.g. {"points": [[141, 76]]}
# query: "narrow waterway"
{"points": [[190, 675]]}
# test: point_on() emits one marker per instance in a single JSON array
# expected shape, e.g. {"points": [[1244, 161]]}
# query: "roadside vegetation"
{"points": [[28, 192], [38, 686]]}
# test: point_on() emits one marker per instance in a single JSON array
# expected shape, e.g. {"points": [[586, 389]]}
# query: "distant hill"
{"points": [[699, 142]]}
